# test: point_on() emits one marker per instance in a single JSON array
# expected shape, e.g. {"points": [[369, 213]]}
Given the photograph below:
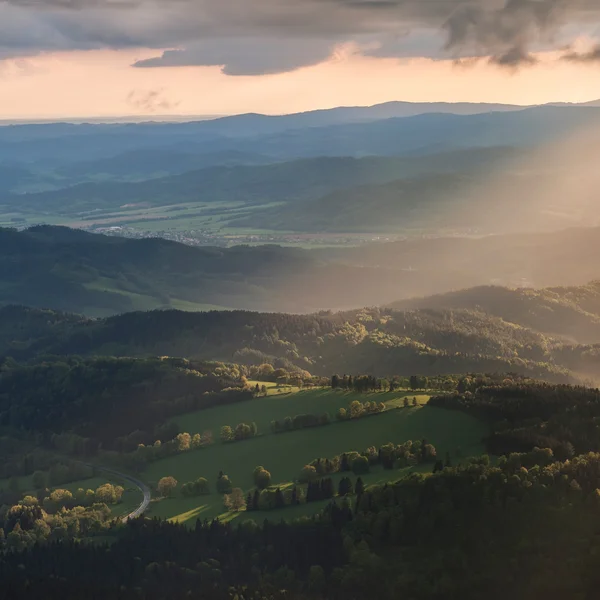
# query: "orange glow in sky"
{"points": [[102, 83]]}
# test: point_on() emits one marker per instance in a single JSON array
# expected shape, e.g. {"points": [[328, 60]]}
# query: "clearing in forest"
{"points": [[284, 454]]}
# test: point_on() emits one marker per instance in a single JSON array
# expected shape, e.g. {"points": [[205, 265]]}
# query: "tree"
{"points": [[184, 442], [196, 441], [265, 371], [316, 579], [448, 462], [335, 382], [345, 486], [195, 488], [356, 409], [359, 488], [166, 486], [243, 431], [235, 501], [360, 465], [326, 488], [224, 484], [262, 478], [227, 434], [406, 402], [308, 473], [324, 419], [111, 494], [279, 500], [414, 382], [414, 401], [295, 500], [341, 414], [201, 486]]}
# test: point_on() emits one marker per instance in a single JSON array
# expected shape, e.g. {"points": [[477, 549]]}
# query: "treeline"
{"points": [[58, 473], [303, 421], [523, 416], [242, 431], [61, 515], [390, 456], [356, 410], [369, 383], [426, 342], [105, 400], [449, 383]]}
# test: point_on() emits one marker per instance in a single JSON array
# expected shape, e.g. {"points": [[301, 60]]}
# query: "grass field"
{"points": [[280, 403], [285, 454]]}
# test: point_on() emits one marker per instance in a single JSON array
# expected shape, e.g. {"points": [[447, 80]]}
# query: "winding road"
{"points": [[141, 509]]}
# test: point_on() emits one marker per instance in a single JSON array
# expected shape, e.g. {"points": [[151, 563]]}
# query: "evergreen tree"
{"points": [[448, 462], [414, 382], [279, 500], [345, 486], [359, 488], [344, 465]]}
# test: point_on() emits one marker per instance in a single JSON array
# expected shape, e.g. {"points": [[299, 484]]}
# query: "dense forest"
{"points": [[102, 399], [446, 532], [452, 534], [381, 342]]}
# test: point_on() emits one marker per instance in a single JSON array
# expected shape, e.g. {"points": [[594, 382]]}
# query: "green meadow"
{"points": [[285, 454]]}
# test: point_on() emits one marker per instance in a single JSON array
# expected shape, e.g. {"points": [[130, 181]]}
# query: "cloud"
{"points": [[271, 36], [150, 101], [506, 33], [246, 56], [591, 56]]}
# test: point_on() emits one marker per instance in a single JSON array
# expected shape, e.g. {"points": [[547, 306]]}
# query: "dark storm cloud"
{"points": [[271, 36], [246, 56]]}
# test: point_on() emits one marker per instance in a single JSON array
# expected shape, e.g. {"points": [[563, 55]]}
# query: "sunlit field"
{"points": [[285, 454]]}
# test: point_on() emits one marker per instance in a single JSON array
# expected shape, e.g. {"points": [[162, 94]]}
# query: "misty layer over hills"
{"points": [[66, 269]]}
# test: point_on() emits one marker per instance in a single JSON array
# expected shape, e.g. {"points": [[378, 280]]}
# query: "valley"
{"points": [[343, 354]]}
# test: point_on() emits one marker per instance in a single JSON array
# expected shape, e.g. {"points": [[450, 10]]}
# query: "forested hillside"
{"points": [[97, 275], [380, 342], [573, 312], [105, 398], [446, 534]]}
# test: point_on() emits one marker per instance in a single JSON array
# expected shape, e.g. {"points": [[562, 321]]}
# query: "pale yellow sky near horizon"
{"points": [[103, 84]]}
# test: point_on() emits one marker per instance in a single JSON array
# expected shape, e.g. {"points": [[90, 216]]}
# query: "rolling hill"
{"points": [[98, 275]]}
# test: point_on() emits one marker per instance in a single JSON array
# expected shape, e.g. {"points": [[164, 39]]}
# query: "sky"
{"points": [[78, 58]]}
